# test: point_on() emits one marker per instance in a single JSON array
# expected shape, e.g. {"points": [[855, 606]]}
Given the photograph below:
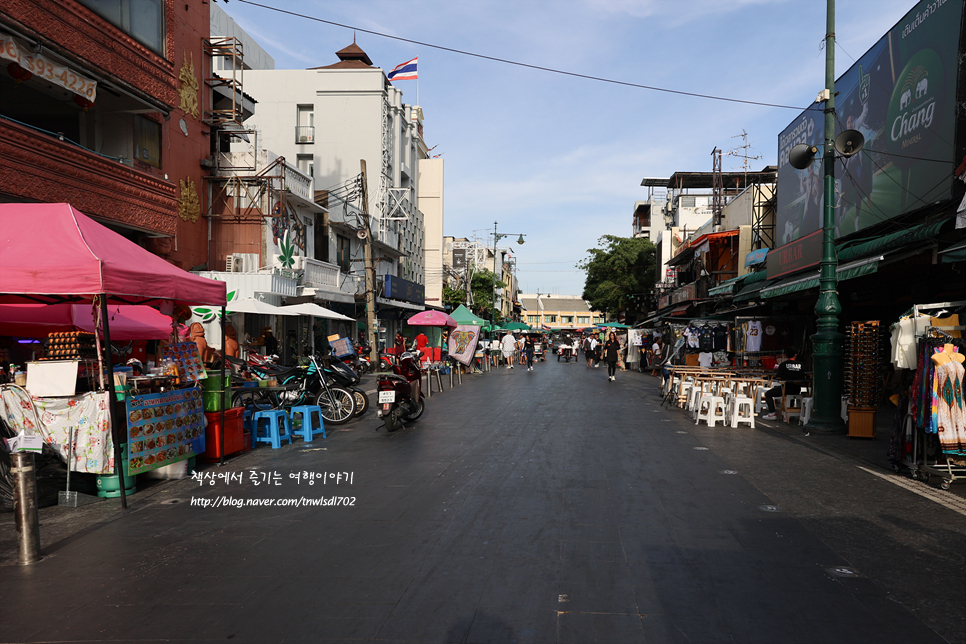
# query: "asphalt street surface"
{"points": [[544, 506]]}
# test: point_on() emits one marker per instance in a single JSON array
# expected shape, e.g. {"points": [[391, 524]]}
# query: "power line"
{"points": [[527, 65]]}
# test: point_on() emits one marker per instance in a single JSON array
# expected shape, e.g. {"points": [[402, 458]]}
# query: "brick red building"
{"points": [[105, 105]]}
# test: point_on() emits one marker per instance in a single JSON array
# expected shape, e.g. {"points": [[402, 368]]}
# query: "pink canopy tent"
{"points": [[51, 252], [128, 322]]}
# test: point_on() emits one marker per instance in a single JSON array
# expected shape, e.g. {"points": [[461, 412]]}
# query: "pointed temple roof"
{"points": [[351, 57]]}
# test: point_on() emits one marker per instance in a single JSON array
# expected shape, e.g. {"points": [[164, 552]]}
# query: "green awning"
{"points": [[751, 291], [956, 253], [803, 283], [724, 288], [892, 241]]}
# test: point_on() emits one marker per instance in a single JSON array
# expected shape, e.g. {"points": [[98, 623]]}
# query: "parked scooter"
{"points": [[400, 392]]}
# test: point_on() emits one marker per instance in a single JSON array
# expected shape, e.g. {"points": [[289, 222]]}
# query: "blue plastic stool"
{"points": [[276, 425], [308, 428], [248, 417]]}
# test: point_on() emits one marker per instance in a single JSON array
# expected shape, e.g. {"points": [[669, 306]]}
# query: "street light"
{"points": [[827, 341], [497, 237]]}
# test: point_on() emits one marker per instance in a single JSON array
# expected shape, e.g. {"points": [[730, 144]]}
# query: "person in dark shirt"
{"points": [[611, 353], [789, 371]]}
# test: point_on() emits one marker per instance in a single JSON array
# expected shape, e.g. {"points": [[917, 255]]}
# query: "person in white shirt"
{"points": [[655, 357], [509, 345]]}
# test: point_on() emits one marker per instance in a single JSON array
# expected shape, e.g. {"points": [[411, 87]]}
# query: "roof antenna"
{"points": [[353, 36]]}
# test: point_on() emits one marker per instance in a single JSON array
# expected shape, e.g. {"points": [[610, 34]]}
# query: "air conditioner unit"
{"points": [[249, 262], [233, 264]]}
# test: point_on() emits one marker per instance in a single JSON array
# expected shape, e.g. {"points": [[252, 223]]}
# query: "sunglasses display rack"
{"points": [[863, 365]]}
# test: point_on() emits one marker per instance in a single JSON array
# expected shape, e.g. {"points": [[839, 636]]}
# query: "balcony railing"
{"points": [[322, 274], [305, 134]]}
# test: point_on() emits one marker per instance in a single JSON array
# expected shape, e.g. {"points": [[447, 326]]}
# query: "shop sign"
{"points": [[790, 258], [664, 302], [755, 257], [397, 288], [42, 67], [684, 294], [901, 95]]}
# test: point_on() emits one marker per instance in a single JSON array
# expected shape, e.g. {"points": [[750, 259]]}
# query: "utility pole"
{"points": [[370, 272]]}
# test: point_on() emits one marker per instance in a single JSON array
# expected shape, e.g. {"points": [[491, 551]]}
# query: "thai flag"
{"points": [[405, 71]]}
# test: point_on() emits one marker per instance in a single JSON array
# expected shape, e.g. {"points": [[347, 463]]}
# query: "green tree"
{"points": [[481, 285], [453, 297], [620, 272]]}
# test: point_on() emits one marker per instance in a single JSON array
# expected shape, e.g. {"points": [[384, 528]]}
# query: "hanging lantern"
{"points": [[19, 73], [82, 101]]}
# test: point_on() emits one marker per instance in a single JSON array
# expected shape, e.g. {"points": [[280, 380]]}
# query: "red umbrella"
{"points": [[432, 318]]}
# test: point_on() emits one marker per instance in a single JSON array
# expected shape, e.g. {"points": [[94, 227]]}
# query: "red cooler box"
{"points": [[234, 433]]}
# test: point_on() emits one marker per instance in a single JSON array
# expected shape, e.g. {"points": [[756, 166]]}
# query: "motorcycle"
{"points": [[400, 392], [345, 377], [566, 351], [304, 385]]}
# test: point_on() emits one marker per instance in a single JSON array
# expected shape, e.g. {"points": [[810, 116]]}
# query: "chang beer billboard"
{"points": [[901, 95]]}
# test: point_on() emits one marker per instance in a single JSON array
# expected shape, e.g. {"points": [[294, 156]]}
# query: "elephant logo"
{"points": [[922, 87], [905, 99]]}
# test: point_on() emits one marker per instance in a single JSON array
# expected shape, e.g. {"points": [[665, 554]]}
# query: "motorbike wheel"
{"points": [[420, 408], [393, 420], [338, 408], [361, 399]]}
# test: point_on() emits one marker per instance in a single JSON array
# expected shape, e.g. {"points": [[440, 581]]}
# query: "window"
{"points": [[550, 319], [342, 252], [533, 319], [147, 141], [567, 319], [583, 319], [306, 164], [305, 127], [143, 20], [688, 201]]}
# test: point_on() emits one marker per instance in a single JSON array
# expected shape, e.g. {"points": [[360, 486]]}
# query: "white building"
{"points": [[327, 120], [430, 202]]}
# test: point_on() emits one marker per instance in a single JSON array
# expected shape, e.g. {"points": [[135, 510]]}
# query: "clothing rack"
{"points": [[918, 460]]}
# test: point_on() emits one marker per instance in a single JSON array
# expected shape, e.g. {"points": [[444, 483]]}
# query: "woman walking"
{"points": [[611, 352], [528, 350]]}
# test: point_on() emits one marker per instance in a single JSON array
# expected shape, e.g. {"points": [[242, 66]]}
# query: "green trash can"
{"points": [[210, 387], [107, 487]]}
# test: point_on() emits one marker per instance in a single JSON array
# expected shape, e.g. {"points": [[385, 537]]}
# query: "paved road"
{"points": [[550, 506]]}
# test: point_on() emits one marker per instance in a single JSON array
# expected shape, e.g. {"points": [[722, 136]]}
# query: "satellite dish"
{"points": [[801, 156], [361, 233], [849, 142]]}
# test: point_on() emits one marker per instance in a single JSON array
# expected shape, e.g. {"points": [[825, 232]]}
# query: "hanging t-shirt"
{"points": [[705, 358], [692, 335], [705, 339], [720, 335], [753, 336]]}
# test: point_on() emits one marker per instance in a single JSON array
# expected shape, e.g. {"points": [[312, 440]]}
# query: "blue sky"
{"points": [[561, 158]]}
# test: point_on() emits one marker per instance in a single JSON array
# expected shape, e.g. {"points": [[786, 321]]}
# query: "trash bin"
{"points": [[210, 387]]}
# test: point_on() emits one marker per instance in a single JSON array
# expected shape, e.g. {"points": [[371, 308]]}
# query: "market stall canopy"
{"points": [[128, 322], [515, 326], [614, 325], [259, 307], [317, 311], [52, 252], [463, 315], [431, 318]]}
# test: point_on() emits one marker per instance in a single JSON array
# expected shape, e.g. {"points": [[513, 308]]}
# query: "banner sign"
{"points": [[901, 95], [462, 343], [164, 428], [42, 67]]}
